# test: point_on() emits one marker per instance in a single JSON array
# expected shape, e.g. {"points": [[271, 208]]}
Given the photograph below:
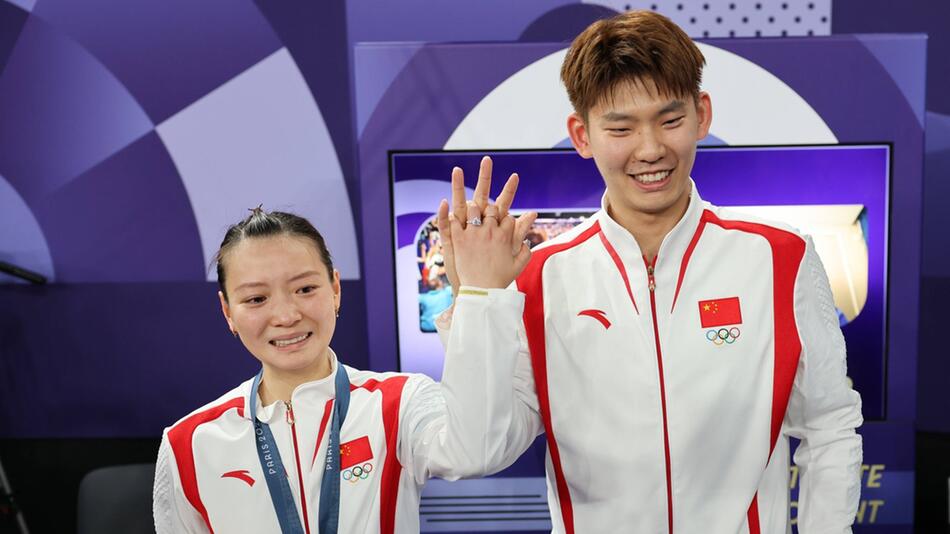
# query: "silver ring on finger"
{"points": [[492, 216], [475, 221]]}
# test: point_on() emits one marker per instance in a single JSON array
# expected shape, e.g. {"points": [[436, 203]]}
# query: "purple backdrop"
{"points": [[128, 336]]}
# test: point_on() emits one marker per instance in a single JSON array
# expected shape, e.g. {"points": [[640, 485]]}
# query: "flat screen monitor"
{"points": [[838, 194]]}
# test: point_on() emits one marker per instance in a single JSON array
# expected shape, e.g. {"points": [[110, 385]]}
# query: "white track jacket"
{"points": [[668, 389], [400, 430]]}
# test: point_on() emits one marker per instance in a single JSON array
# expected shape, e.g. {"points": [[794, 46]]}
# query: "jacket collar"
{"points": [[322, 388], [674, 244]]}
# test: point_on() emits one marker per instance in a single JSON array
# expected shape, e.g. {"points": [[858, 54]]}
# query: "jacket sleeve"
{"points": [[483, 415], [823, 410], [170, 510]]}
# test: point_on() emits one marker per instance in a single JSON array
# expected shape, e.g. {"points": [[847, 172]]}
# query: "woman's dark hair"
{"points": [[263, 224]]}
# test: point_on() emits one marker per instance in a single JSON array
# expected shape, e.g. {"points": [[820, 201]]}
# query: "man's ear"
{"points": [[703, 115], [577, 130], [226, 311]]}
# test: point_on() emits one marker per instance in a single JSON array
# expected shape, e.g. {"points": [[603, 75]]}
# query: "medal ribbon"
{"points": [[276, 475]]}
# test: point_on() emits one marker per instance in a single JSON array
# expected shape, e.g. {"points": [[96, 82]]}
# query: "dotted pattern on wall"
{"points": [[734, 18]]}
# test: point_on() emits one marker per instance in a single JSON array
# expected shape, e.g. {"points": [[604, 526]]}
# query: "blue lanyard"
{"points": [[276, 475]]}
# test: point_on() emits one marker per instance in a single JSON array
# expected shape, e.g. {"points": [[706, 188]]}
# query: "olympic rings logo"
{"points": [[723, 335], [356, 473]]}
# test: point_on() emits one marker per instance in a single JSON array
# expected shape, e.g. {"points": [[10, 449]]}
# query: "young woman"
{"points": [[311, 445]]}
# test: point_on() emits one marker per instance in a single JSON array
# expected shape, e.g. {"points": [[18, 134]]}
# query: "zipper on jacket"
{"points": [[651, 284], [303, 495], [289, 415]]}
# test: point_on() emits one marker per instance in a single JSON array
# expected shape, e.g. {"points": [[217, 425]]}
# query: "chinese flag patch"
{"points": [[720, 312], [355, 452]]}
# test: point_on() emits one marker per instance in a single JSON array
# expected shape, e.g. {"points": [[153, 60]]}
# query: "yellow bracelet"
{"points": [[476, 292]]}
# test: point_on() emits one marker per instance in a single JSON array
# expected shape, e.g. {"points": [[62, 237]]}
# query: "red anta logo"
{"points": [[596, 314], [243, 475]]}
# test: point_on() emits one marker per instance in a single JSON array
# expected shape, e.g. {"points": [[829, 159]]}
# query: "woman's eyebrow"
{"points": [[304, 274], [300, 276], [248, 285]]}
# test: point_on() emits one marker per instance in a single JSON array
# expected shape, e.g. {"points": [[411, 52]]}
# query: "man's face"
{"points": [[644, 145]]}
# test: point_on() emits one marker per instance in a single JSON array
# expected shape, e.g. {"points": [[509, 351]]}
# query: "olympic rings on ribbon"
{"points": [[723, 335]]}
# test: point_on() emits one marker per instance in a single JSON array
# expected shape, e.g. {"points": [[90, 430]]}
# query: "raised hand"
{"points": [[482, 244]]}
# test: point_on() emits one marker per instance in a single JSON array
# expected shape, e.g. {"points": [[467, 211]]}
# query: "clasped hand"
{"points": [[483, 245]]}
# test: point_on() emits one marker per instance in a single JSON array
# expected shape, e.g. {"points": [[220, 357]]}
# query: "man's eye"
{"points": [[618, 130], [673, 122]]}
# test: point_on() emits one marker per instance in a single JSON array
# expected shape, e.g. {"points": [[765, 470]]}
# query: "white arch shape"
{"points": [[751, 106], [22, 241], [261, 138]]}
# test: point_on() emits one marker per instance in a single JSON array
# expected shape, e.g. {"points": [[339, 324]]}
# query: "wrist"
{"points": [[483, 283]]}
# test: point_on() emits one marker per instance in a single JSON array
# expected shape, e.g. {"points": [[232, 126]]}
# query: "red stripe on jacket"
{"points": [[753, 516], [619, 264], [180, 438], [327, 410], [788, 252], [391, 389], [530, 283]]}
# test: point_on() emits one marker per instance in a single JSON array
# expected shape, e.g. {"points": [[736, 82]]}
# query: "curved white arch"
{"points": [[528, 110], [260, 138], [22, 241], [751, 106], [420, 196]]}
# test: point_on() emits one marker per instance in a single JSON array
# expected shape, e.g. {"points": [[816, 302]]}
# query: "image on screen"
{"points": [[837, 194], [435, 292]]}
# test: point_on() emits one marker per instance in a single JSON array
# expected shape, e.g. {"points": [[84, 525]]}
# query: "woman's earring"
{"points": [[234, 333], [338, 312]]}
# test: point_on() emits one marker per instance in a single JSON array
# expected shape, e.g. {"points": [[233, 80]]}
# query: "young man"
{"points": [[671, 347]]}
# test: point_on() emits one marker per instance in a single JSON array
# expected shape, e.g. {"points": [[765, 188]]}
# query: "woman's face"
{"points": [[282, 303]]}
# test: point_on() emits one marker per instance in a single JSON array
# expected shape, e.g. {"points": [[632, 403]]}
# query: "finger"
{"points": [[522, 227], [507, 195], [507, 226], [458, 195], [523, 224], [491, 215], [448, 252], [456, 225], [522, 259], [483, 187], [473, 213], [445, 227]]}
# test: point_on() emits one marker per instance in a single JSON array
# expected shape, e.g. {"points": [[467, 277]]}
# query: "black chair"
{"points": [[117, 499]]}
